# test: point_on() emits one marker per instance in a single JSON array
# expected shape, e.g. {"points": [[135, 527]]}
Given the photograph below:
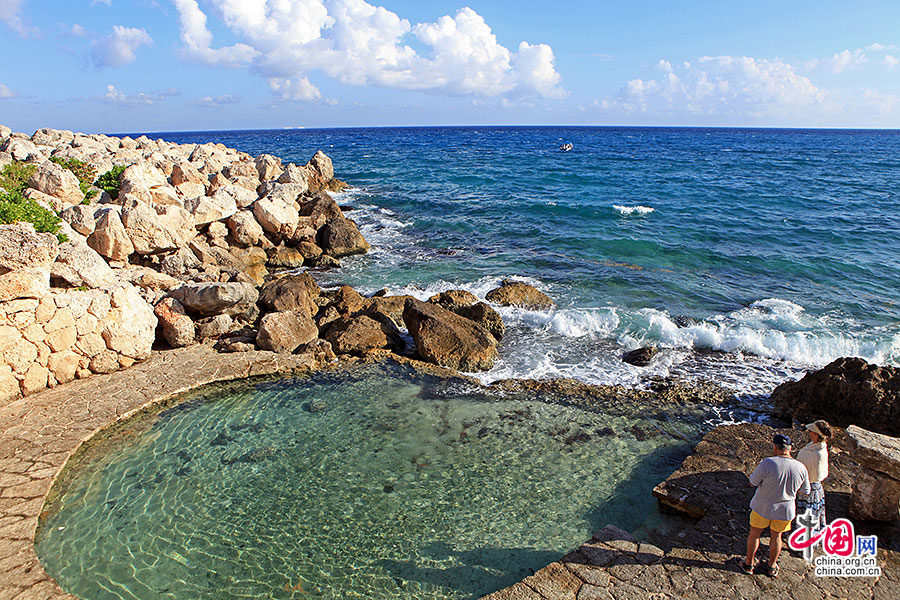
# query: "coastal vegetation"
{"points": [[14, 206], [109, 181]]}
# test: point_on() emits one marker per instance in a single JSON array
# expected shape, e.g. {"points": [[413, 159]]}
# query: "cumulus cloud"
{"points": [[5, 92], [10, 14], [114, 96], [844, 60], [720, 85], [357, 43], [118, 49], [890, 61]]}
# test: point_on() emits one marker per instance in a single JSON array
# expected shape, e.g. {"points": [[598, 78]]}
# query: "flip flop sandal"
{"points": [[772, 571], [739, 562]]}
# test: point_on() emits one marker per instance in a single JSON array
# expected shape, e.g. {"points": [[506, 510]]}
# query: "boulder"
{"points": [[276, 216], [209, 299], [185, 172], [522, 295], [309, 249], [268, 167], [176, 327], [875, 451], [485, 316], [341, 237], [146, 230], [215, 326], [640, 357], [453, 299], [241, 196], [285, 257], [241, 169], [110, 239], [79, 265], [321, 208], [129, 328], [206, 209], [355, 335], [392, 306], [285, 331], [447, 339], [22, 150], [178, 221], [25, 260], [245, 229], [346, 300], [80, 217], [294, 174], [147, 278], [847, 391], [321, 171], [286, 192], [874, 497], [295, 292], [54, 180]]}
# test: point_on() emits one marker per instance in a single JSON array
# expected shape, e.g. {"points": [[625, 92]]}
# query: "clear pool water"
{"points": [[374, 483]]}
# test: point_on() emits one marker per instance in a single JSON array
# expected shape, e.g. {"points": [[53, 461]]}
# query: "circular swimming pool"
{"points": [[374, 483]]}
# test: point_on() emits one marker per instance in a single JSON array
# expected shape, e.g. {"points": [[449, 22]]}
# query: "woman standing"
{"points": [[815, 457]]}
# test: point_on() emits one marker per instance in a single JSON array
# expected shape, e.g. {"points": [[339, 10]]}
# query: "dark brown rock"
{"points": [[453, 299], [447, 339], [341, 237], [641, 356], [282, 256], [321, 208], [285, 331], [295, 291], [522, 295], [847, 391], [354, 335], [485, 316]]}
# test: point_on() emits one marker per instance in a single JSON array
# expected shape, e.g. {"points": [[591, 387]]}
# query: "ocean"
{"points": [[749, 256]]}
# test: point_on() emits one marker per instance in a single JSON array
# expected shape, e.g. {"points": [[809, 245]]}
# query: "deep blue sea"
{"points": [[748, 255]]}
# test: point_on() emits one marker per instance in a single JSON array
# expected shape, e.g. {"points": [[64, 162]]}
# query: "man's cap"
{"points": [[781, 440]]}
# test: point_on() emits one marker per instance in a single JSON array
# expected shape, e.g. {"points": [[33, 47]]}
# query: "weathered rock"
{"points": [[110, 239], [323, 263], [392, 306], [79, 265], [276, 216], [147, 232], [321, 171], [213, 327], [176, 327], [268, 167], [522, 295], [208, 299], [875, 451], [875, 496], [293, 292], [9, 385], [640, 357], [346, 300], [54, 180], [185, 172], [354, 335], [21, 247], [285, 331], [241, 169], [130, 326], [151, 279], [847, 391], [282, 256], [294, 174], [178, 221], [22, 150], [321, 208], [485, 316], [309, 250], [341, 237], [63, 365], [453, 299], [80, 218], [206, 209], [245, 229], [447, 339], [241, 196]]}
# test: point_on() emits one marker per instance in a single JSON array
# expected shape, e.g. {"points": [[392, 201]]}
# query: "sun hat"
{"points": [[781, 440], [814, 428]]}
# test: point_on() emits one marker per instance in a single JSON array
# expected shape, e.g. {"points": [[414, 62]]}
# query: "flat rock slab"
{"points": [[41, 432], [712, 488], [875, 451]]}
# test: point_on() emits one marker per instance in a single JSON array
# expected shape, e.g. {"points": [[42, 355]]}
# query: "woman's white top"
{"points": [[815, 457]]}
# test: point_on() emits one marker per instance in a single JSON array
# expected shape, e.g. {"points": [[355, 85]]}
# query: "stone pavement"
{"points": [[693, 561], [41, 431]]}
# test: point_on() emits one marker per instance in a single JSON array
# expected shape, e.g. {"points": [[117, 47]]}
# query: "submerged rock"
{"points": [[640, 357], [521, 295], [447, 339]]}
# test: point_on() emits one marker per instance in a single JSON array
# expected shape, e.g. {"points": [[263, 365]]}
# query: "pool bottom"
{"points": [[376, 483]]}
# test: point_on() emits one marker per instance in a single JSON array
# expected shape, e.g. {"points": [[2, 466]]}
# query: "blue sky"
{"points": [[163, 65]]}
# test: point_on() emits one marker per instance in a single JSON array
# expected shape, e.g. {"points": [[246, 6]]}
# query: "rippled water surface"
{"points": [[768, 251], [378, 483]]}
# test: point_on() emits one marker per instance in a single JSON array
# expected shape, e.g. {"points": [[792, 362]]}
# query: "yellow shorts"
{"points": [[760, 522]]}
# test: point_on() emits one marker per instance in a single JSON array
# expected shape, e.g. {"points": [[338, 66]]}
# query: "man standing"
{"points": [[777, 479]]}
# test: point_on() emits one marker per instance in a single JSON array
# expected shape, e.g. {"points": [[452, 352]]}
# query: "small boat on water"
{"points": [[566, 147]]}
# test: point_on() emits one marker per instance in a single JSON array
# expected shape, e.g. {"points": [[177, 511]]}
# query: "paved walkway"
{"points": [[40, 433]]}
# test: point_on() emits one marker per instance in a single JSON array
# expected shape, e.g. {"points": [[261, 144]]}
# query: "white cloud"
{"points": [[357, 43], [890, 61], [217, 101], [720, 85], [114, 96], [96, 2], [5, 92], [9, 14], [77, 30], [844, 60], [876, 47], [118, 49]]}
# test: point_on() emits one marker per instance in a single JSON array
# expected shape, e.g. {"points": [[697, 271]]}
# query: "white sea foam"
{"points": [[630, 210]]}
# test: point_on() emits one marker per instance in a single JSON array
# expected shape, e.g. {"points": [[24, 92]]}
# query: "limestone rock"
{"points": [[640, 357], [79, 265], [321, 208], [294, 292], [391, 306], [80, 218], [847, 391], [178, 221], [206, 209], [875, 496], [24, 283], [208, 299], [22, 150], [241, 196], [177, 328], [268, 167], [63, 365], [485, 316], [54, 180], [346, 300], [215, 326], [341, 237], [294, 174], [447, 339], [453, 299], [245, 229], [875, 451], [276, 216], [241, 169], [9, 385], [309, 249], [289, 193], [185, 172], [354, 335], [147, 232], [522, 295], [321, 171], [282, 256], [129, 328], [21, 247], [285, 331], [110, 239]]}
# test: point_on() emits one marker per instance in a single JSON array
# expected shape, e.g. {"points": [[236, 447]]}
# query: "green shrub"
{"points": [[15, 207], [109, 182], [14, 176], [83, 171]]}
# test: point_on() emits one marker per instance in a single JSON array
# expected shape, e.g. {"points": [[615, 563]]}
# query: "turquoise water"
{"points": [[767, 252], [377, 483]]}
